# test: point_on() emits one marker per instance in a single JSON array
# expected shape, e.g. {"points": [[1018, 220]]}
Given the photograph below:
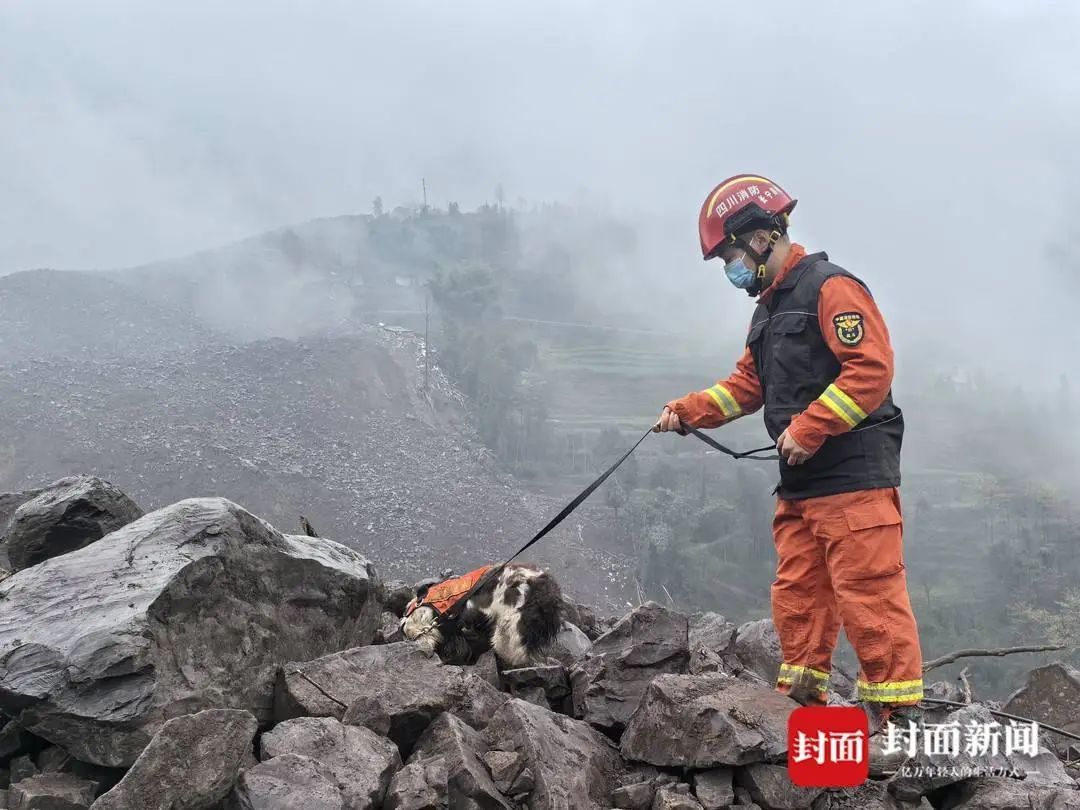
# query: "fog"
{"points": [[930, 144]]}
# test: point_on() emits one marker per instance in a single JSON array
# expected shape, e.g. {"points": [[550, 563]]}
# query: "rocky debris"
{"points": [[467, 780], [1002, 793], [944, 690], [51, 791], [361, 761], [285, 783], [925, 773], [212, 745], [397, 691], [571, 644], [393, 689], [870, 795], [487, 667], [714, 789], [609, 681], [710, 636], [675, 797], [68, 514], [583, 617], [15, 740], [9, 502], [22, 767], [548, 682], [192, 606], [338, 428], [1051, 695], [636, 796], [704, 721], [572, 764], [757, 646], [770, 787], [418, 786]]}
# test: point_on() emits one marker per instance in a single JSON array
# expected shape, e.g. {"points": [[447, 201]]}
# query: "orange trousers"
{"points": [[840, 562]]}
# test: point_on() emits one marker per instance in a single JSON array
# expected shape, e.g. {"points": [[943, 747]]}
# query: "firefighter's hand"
{"points": [[790, 450], [669, 420]]}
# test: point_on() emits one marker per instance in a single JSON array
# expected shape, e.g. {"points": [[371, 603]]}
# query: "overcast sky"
{"points": [[931, 144]]}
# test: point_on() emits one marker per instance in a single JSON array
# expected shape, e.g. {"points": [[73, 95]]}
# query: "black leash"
{"points": [[454, 611], [750, 454]]}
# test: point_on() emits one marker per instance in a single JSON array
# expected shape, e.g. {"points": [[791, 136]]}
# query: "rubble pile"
{"points": [[196, 657]]}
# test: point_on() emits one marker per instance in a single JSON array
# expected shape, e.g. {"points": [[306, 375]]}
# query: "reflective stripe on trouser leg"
{"points": [[803, 605], [890, 691]]}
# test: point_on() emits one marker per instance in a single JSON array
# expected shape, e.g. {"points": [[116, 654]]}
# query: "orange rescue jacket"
{"points": [[446, 594]]}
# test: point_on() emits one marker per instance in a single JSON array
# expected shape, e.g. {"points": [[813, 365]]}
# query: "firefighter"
{"points": [[818, 358]]}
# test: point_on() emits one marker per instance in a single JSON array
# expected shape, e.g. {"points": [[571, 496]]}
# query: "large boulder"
{"points": [[770, 787], [445, 767], [704, 721], [572, 765], [67, 515], [609, 681], [710, 636], [190, 607], [288, 782], [393, 689], [51, 791], [361, 761], [1051, 696], [192, 762], [757, 646]]}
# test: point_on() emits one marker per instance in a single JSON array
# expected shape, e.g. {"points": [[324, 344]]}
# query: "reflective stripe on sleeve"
{"points": [[724, 400], [842, 405]]}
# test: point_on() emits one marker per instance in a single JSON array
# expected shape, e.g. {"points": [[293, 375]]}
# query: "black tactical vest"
{"points": [[795, 366]]}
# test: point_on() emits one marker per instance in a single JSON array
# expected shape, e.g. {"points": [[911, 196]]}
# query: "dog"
{"points": [[514, 609]]}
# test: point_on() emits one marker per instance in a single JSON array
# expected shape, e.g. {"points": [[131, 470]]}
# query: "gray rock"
{"points": [[550, 679], [209, 747], [1051, 696], [362, 762], [287, 782], [487, 667], [69, 514], [15, 740], [638, 796], [401, 703], [770, 787], [671, 798], [573, 642], [757, 646], [504, 767], [468, 783], [419, 786], [53, 758], [189, 607], [925, 773], [573, 765], [870, 795], [1002, 793], [608, 682], [51, 791], [714, 788], [704, 721], [710, 636], [1042, 769], [9, 502], [324, 687], [22, 767], [944, 691]]}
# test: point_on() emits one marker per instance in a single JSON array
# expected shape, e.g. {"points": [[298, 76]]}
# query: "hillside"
{"points": [[337, 430]]}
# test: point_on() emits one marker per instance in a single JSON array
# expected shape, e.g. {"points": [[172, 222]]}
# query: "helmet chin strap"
{"points": [[761, 259]]}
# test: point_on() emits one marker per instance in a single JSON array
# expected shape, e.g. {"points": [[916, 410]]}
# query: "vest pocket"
{"points": [[791, 357]]}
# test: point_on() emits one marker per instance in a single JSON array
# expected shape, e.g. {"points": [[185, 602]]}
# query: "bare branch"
{"points": [[971, 653]]}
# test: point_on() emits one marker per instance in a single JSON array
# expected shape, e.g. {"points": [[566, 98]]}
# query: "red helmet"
{"points": [[743, 203]]}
